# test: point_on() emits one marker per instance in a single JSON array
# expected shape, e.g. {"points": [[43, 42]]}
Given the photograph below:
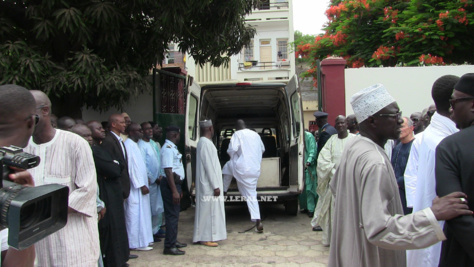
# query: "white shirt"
{"points": [[67, 160], [120, 139], [245, 151], [171, 158], [411, 170]]}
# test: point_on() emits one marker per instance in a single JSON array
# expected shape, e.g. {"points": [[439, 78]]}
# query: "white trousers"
{"points": [[249, 192]]}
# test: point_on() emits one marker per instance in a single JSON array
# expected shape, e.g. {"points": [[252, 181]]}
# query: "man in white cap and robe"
{"points": [[209, 220], [245, 150], [369, 228]]}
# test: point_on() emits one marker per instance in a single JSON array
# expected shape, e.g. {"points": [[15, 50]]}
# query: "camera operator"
{"points": [[17, 121]]}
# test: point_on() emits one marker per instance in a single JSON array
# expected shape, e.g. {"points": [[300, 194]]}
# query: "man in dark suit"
{"points": [[325, 129], [113, 143], [455, 172]]}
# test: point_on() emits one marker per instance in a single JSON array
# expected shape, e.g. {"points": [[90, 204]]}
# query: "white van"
{"points": [[271, 109]]}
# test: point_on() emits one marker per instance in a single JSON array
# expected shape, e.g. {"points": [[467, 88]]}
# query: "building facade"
{"points": [[268, 58]]}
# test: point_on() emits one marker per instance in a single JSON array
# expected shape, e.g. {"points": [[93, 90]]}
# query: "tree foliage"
{"points": [[99, 52], [396, 32]]}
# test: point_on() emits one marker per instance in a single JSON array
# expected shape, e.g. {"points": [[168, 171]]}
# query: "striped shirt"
{"points": [[67, 160]]}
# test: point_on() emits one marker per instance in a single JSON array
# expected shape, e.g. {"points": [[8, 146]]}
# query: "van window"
{"points": [[192, 117], [295, 106]]}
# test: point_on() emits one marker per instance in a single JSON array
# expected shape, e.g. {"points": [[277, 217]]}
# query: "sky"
{"points": [[309, 15]]}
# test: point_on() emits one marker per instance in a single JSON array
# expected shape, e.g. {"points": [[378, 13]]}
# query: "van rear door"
{"points": [[191, 130], [297, 136]]}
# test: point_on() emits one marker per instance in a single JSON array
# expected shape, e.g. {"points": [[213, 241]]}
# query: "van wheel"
{"points": [[291, 207]]}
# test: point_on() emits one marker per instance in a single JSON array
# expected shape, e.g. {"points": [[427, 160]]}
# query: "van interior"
{"points": [[265, 109]]}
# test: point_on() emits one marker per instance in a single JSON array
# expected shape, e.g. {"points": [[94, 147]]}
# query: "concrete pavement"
{"points": [[286, 241]]}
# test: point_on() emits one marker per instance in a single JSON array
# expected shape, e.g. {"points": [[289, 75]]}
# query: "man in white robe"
{"points": [[369, 228], [137, 206], [328, 161], [440, 127], [209, 219], [411, 171], [153, 166], [66, 159], [245, 150]]}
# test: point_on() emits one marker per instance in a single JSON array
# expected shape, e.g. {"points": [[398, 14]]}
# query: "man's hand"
{"points": [[22, 177], [450, 206], [158, 181], [217, 192], [145, 190], [176, 198], [101, 213], [308, 163]]}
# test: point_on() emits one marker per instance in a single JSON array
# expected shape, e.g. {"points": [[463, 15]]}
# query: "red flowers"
{"points": [[431, 60], [383, 53]]}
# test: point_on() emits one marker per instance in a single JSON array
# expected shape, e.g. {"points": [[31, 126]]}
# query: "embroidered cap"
{"points": [[205, 123], [370, 100]]}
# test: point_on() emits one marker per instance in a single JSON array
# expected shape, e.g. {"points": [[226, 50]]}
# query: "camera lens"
{"points": [[35, 213]]}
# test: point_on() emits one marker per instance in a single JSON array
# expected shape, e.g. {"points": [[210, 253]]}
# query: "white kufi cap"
{"points": [[370, 100], [205, 123]]}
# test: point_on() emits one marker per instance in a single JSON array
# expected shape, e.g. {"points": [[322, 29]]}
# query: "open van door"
{"points": [[191, 130], [296, 140]]}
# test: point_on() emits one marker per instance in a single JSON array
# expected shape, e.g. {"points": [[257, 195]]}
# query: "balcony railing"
{"points": [[256, 65], [268, 5]]}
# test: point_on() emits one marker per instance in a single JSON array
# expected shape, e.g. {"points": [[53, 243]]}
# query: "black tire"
{"points": [[291, 207]]}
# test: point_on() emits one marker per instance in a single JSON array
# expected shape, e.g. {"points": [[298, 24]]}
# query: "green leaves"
{"points": [[101, 52], [410, 29]]}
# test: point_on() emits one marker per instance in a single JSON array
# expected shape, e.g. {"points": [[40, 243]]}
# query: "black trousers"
{"points": [[171, 213]]}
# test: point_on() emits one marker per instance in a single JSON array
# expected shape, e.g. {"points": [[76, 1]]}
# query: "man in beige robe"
{"points": [[209, 221], [369, 228], [328, 161]]}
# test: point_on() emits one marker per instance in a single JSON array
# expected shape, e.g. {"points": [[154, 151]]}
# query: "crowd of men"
{"points": [[372, 199], [378, 198]]}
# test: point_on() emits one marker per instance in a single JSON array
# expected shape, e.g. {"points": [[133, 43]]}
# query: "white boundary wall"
{"points": [[410, 86]]}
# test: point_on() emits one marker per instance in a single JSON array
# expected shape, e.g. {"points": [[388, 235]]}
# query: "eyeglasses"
{"points": [[397, 115], [453, 101]]}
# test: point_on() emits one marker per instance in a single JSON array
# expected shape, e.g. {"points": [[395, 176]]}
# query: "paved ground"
{"points": [[286, 241]]}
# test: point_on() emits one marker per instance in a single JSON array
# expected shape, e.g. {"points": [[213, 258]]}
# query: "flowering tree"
{"points": [[396, 32]]}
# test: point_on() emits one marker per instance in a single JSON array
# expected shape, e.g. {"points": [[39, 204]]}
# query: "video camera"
{"points": [[29, 213]]}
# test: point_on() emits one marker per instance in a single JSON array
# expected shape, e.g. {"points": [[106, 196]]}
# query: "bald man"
{"points": [[113, 144], [112, 229], [66, 159]]}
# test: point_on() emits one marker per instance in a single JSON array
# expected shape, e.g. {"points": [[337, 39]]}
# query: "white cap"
{"points": [[369, 101], [205, 123]]}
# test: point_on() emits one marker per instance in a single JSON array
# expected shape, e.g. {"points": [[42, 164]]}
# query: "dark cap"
{"points": [[172, 128], [319, 114], [466, 84]]}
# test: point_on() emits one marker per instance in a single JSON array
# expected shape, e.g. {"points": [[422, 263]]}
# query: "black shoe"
{"points": [[132, 256], [304, 210], [259, 227], [156, 239], [180, 245], [173, 251], [310, 214], [317, 228]]}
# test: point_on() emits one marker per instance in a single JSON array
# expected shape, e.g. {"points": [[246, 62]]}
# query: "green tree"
{"points": [[97, 54], [397, 32]]}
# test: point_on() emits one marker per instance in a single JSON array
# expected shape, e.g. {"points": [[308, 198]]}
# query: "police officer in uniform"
{"points": [[325, 129], [172, 163]]}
